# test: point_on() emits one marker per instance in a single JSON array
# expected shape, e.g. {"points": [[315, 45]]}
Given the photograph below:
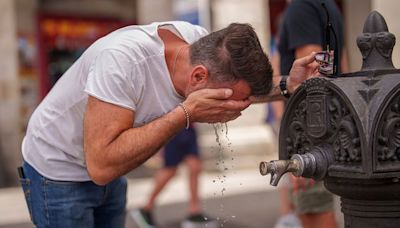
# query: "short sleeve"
{"points": [[304, 25], [191, 33], [109, 79]]}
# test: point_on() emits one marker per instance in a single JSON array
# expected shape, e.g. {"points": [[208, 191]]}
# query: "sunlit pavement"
{"points": [[237, 196], [247, 201], [246, 195]]}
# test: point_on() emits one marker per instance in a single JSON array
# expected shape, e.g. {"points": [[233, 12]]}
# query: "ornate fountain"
{"points": [[346, 132]]}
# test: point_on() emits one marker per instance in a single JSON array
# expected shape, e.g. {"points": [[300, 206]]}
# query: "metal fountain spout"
{"points": [[312, 165], [277, 168]]}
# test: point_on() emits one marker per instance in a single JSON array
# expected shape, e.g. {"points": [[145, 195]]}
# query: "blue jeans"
{"points": [[64, 204]]}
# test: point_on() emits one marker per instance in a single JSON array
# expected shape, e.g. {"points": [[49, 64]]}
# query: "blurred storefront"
{"points": [[49, 35]]}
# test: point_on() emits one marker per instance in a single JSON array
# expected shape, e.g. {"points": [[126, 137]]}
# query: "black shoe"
{"points": [[198, 218], [143, 218]]}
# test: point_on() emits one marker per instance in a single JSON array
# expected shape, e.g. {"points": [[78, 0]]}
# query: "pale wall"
{"points": [[254, 12], [390, 10], [9, 95], [354, 22], [154, 10], [356, 12]]}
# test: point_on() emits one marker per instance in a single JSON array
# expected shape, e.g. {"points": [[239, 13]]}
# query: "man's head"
{"points": [[233, 57]]}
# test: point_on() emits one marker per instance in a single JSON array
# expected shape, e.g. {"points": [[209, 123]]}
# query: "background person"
{"points": [[275, 109], [302, 32], [182, 148]]}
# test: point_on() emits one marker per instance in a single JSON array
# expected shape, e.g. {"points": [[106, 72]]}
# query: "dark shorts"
{"points": [[182, 145]]}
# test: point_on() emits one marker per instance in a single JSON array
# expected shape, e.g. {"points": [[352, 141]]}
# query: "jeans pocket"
{"points": [[26, 187], [61, 183]]}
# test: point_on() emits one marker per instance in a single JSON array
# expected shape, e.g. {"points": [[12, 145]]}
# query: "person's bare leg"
{"points": [[162, 177], [316, 220], [285, 205], [194, 165]]}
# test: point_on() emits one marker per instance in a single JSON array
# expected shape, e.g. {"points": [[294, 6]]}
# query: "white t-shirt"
{"points": [[127, 68]]}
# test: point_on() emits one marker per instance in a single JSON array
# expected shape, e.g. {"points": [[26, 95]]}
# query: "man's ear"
{"points": [[199, 76]]}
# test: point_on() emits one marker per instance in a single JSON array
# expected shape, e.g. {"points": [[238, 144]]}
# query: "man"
{"points": [[123, 99], [303, 30]]}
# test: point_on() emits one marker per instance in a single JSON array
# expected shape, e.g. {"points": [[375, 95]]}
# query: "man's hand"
{"points": [[214, 105], [302, 69]]}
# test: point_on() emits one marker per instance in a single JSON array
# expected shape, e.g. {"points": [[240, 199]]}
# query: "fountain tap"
{"points": [[277, 168], [311, 165]]}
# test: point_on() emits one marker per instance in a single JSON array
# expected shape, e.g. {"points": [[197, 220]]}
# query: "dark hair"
{"points": [[232, 54]]}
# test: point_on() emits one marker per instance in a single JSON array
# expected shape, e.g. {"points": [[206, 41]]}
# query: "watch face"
{"points": [[325, 60]]}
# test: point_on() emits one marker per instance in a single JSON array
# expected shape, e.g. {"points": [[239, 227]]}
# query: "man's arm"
{"points": [[113, 147], [302, 69]]}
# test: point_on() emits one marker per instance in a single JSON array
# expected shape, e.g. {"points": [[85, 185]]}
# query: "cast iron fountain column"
{"points": [[346, 132]]}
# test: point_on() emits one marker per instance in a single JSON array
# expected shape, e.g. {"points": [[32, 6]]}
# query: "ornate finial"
{"points": [[376, 43]]}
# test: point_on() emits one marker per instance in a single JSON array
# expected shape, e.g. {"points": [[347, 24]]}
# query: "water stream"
{"points": [[224, 163]]}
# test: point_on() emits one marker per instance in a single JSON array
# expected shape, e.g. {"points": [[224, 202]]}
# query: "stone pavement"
{"points": [[254, 210], [243, 187], [239, 195], [248, 201]]}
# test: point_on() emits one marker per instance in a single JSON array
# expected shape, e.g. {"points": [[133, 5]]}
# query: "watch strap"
{"points": [[283, 87]]}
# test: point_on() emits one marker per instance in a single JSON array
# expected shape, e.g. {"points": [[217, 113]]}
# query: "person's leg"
{"points": [[316, 220], [111, 211], [194, 166], [160, 181], [314, 206], [144, 216], [172, 157], [59, 203], [285, 205]]}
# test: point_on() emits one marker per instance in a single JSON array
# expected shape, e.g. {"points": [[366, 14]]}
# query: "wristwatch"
{"points": [[283, 87]]}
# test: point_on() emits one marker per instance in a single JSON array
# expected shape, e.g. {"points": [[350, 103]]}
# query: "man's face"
{"points": [[241, 89], [199, 79]]}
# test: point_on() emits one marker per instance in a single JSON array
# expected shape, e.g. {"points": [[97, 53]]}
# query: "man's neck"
{"points": [[177, 59]]}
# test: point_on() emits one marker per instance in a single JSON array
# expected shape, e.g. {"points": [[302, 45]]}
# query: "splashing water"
{"points": [[224, 146]]}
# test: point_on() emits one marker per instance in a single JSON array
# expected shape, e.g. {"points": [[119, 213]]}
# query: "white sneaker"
{"points": [[288, 221], [142, 218]]}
